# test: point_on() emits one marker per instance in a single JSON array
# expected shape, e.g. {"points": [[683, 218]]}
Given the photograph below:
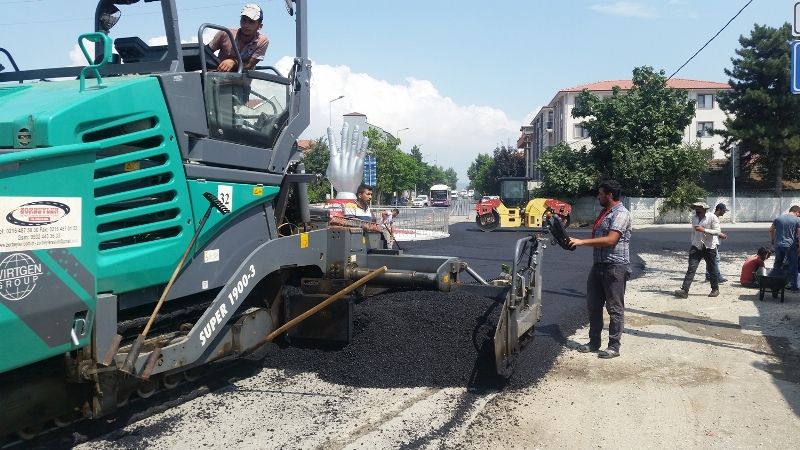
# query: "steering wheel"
{"points": [[556, 228]]}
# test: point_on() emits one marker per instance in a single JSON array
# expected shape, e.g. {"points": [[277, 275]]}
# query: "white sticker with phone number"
{"points": [[38, 223]]}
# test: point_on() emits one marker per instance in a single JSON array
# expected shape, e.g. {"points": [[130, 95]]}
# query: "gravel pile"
{"points": [[407, 339]]}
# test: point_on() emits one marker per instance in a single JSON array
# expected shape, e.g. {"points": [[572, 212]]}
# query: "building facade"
{"points": [[554, 124], [355, 118]]}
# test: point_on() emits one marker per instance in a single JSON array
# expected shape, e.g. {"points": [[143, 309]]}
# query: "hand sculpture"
{"points": [[346, 166]]}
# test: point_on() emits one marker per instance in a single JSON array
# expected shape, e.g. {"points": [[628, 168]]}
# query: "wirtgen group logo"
{"points": [[36, 214], [18, 275]]}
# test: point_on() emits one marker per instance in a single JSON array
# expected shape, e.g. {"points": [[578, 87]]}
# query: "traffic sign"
{"points": [[370, 170], [796, 27], [795, 70]]}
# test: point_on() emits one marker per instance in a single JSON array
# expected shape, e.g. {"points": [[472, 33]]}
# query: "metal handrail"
{"points": [[202, 50]]}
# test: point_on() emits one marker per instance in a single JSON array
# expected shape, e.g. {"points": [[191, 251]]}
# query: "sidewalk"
{"points": [[700, 372]]}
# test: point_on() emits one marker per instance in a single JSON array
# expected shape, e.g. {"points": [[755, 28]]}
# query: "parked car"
{"points": [[420, 201], [401, 201], [454, 195], [471, 193]]}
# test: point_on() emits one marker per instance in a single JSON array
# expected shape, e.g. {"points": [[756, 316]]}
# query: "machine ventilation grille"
{"points": [[135, 197]]}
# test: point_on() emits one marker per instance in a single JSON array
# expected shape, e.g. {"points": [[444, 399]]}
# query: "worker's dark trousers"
{"points": [[695, 255], [789, 254], [606, 287]]}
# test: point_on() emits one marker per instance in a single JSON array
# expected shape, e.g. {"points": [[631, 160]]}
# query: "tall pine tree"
{"points": [[764, 116]]}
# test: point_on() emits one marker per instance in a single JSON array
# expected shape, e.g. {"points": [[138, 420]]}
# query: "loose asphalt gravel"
{"points": [[407, 339]]}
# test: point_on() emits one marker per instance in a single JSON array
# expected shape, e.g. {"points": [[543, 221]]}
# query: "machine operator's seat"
{"points": [[134, 50]]}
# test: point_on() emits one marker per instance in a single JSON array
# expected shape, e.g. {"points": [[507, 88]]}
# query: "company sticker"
{"points": [[258, 190], [18, 275], [38, 223]]}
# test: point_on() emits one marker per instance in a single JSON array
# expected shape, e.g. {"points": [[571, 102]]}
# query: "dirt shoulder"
{"points": [[700, 372]]}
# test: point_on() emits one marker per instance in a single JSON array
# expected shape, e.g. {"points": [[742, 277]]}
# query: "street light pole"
{"points": [[330, 116], [398, 132]]}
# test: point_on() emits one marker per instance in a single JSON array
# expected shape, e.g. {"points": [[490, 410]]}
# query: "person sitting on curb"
{"points": [[754, 266], [705, 227]]}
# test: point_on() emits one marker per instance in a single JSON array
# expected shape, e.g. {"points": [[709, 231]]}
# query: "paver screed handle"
{"points": [[292, 323], [136, 348]]}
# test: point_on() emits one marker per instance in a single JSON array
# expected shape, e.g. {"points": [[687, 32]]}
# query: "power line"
{"points": [[76, 19], [11, 2], [709, 41]]}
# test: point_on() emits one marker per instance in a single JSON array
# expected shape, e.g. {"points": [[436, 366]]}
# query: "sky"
{"points": [[461, 75]]}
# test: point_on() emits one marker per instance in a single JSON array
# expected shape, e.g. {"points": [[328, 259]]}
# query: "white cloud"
{"points": [[626, 9], [449, 134], [76, 57]]}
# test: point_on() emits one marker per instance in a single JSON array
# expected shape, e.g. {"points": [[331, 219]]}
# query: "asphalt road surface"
{"points": [[564, 276], [404, 381]]}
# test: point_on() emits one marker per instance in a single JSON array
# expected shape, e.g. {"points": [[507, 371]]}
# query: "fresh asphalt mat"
{"points": [[407, 339]]}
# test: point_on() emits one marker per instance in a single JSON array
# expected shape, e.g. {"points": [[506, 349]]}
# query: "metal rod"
{"points": [[474, 274], [405, 278], [292, 323]]}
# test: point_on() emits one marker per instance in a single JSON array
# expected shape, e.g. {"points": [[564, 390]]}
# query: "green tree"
{"points": [[637, 138], [478, 172], [416, 152], [508, 162], [451, 177], [764, 117], [316, 161], [567, 173]]}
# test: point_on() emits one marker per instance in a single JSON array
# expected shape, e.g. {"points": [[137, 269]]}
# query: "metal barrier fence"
{"points": [[415, 224], [462, 207], [646, 210]]}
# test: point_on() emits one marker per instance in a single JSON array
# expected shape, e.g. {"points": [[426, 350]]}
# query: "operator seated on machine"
{"points": [[252, 44]]}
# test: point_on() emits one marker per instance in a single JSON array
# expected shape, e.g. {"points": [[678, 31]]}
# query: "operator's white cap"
{"points": [[252, 11]]}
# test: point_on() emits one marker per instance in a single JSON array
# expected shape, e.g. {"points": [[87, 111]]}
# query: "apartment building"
{"points": [[357, 119], [554, 123]]}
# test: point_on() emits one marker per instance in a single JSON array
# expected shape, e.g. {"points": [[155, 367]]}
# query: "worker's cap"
{"points": [[722, 207], [703, 205], [252, 11]]}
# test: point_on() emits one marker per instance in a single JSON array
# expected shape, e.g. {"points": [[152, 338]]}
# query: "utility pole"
{"points": [[734, 163]]}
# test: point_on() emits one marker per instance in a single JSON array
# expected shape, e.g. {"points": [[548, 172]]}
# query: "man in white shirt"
{"points": [[719, 211], [387, 220], [705, 232]]}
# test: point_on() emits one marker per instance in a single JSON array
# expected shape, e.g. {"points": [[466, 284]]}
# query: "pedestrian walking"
{"points": [[705, 227], [783, 234], [605, 286], [719, 211]]}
